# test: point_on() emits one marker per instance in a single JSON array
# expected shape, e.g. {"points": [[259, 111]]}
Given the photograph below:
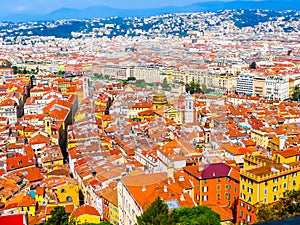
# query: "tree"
{"points": [[253, 65], [15, 69], [194, 88], [165, 84], [101, 223], [296, 94], [204, 88], [196, 215], [58, 217], [286, 207], [156, 214]]}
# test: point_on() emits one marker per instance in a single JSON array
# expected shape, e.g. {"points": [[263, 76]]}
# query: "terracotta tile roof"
{"points": [[289, 153], [167, 190], [19, 161], [224, 212], [85, 210], [110, 194], [32, 174]]}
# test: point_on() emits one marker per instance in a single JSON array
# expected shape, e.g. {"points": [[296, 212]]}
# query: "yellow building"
{"points": [[114, 214], [287, 156], [264, 181], [21, 204], [291, 87], [174, 114], [65, 189], [260, 138], [134, 109], [159, 100], [86, 214]]}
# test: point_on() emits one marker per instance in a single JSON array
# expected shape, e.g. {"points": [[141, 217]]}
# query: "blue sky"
{"points": [[9, 7]]}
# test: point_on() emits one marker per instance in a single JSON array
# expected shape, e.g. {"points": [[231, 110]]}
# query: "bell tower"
{"points": [[48, 123], [189, 113]]}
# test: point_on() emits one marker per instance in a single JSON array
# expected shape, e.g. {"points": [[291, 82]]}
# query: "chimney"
{"points": [[182, 197], [181, 178], [165, 189]]}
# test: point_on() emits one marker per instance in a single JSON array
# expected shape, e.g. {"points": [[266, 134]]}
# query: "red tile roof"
{"points": [[85, 210]]}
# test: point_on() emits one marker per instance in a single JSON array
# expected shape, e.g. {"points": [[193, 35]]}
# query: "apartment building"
{"points": [[263, 181], [277, 87], [245, 85]]}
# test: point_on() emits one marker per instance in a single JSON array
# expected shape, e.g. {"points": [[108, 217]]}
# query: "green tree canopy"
{"points": [[58, 217], [286, 207], [296, 94], [156, 214], [196, 215]]}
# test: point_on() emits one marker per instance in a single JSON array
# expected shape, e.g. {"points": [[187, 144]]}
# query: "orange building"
{"points": [[216, 183]]}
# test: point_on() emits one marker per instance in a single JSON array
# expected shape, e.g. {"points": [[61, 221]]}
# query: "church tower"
{"points": [[48, 123], [189, 114], [207, 132]]}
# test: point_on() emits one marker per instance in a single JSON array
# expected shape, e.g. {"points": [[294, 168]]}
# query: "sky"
{"points": [[10, 7]]}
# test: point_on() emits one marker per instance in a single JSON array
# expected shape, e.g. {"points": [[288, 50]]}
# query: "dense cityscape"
{"points": [[102, 120]]}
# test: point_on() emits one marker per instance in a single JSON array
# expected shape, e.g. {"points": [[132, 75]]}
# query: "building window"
{"points": [[265, 200], [250, 190], [250, 199], [219, 179], [275, 188], [218, 196], [243, 186], [63, 191], [294, 182], [284, 177], [294, 174], [266, 183], [265, 191], [248, 218], [284, 185], [205, 189], [242, 214], [69, 199], [243, 196], [218, 187], [205, 198], [275, 197], [275, 180], [227, 195]]}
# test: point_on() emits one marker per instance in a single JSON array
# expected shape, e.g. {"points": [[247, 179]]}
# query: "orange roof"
{"points": [[85, 210], [289, 153]]}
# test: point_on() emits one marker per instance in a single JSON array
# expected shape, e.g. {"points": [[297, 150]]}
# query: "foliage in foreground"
{"points": [[60, 217], [158, 214], [285, 208]]}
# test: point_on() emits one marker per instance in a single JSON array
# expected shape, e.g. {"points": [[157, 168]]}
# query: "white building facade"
{"points": [[277, 87]]}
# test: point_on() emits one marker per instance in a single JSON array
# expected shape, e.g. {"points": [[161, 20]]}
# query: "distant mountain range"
{"points": [[104, 11]]}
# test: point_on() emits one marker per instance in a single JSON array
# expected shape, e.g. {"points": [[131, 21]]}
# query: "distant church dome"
{"points": [[159, 99]]}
